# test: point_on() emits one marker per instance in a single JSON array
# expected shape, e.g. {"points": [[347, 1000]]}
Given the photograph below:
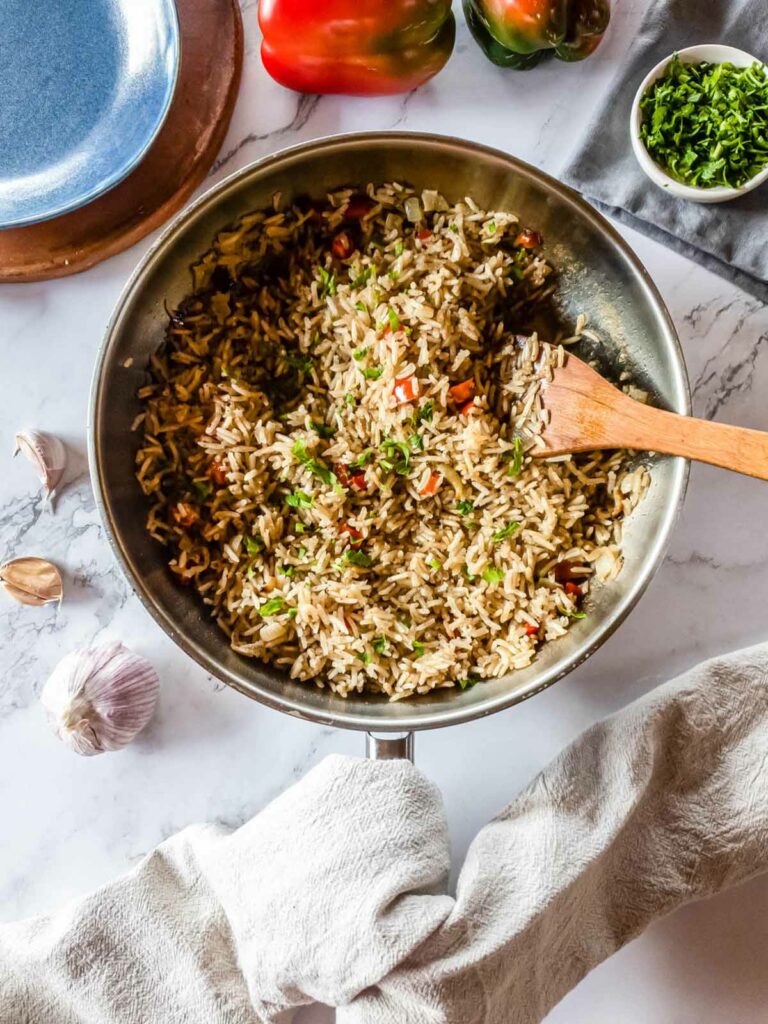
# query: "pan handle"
{"points": [[389, 746]]}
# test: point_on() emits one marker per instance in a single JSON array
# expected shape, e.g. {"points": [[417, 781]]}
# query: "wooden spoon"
{"points": [[587, 413]]}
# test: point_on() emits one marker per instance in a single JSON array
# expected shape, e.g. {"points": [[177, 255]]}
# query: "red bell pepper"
{"points": [[362, 47], [406, 389], [520, 33]]}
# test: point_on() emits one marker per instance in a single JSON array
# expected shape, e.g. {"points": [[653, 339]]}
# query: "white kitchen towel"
{"points": [[334, 891]]}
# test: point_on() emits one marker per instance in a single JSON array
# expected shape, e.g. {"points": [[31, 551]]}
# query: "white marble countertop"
{"points": [[70, 824]]}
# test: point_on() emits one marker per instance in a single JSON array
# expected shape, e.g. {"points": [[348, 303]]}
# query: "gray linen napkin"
{"points": [[335, 891], [729, 238]]}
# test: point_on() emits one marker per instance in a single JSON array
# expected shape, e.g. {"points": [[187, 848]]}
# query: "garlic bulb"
{"points": [[99, 698], [47, 454], [32, 581]]}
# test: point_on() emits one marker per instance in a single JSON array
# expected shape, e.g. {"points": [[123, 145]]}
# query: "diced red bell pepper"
{"points": [[423, 234], [377, 47], [186, 515], [355, 537], [406, 389], [358, 206], [432, 485], [531, 630], [573, 589], [467, 408], [342, 474], [528, 239], [343, 245], [217, 471], [355, 479], [463, 393], [358, 481]]}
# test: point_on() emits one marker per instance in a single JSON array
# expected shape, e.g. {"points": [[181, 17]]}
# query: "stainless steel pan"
{"points": [[599, 276]]}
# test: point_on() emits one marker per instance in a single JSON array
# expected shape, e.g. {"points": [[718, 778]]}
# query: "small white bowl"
{"points": [[713, 53]]}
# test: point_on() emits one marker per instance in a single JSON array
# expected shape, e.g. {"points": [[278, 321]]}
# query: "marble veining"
{"points": [[70, 824]]}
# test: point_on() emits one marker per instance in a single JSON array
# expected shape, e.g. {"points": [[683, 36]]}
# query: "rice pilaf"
{"points": [[337, 445]]}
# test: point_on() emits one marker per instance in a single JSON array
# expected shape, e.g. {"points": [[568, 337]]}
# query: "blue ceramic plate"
{"points": [[84, 88]]}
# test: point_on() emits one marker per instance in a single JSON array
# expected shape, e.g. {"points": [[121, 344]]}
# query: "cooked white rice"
{"points": [[280, 371]]}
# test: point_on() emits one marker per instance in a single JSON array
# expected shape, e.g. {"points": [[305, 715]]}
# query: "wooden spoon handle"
{"points": [[719, 444]]}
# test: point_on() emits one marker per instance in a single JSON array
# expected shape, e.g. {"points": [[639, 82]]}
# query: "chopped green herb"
{"points": [[399, 249], [327, 282], [393, 318], [454, 228], [361, 307], [302, 552], [418, 648], [465, 508], [468, 683], [350, 400], [468, 576], [397, 456], [362, 459], [380, 644], [373, 372], [490, 227], [359, 558], [314, 465], [493, 575], [424, 413], [362, 278], [433, 563], [576, 615], [707, 124], [393, 274], [299, 362], [272, 607], [202, 488], [360, 353], [364, 656], [286, 570], [416, 441], [253, 545], [300, 499], [292, 613], [322, 429], [507, 531], [299, 527], [517, 458]]}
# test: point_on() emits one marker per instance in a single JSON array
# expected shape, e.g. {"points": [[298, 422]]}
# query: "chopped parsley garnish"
{"points": [[272, 607], [433, 563], [507, 531], [300, 499], [302, 552], [286, 570], [465, 508], [360, 353], [299, 362], [418, 648], [299, 527], [359, 558], [362, 278], [322, 429], [399, 249], [425, 413], [203, 489], [470, 577], [576, 615], [361, 307], [393, 318], [517, 458], [292, 613], [327, 282], [380, 644], [493, 575], [393, 274], [373, 372], [364, 656], [397, 456], [490, 227], [416, 441], [362, 459], [350, 400], [253, 545], [468, 683], [314, 465], [707, 124]]}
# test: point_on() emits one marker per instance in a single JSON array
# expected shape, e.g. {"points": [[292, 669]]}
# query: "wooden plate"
{"points": [[178, 160]]}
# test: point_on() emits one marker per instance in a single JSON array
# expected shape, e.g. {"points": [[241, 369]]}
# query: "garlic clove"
{"points": [[32, 581], [48, 456], [100, 698]]}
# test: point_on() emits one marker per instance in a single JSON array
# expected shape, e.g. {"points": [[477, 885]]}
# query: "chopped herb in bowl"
{"points": [[706, 124]]}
